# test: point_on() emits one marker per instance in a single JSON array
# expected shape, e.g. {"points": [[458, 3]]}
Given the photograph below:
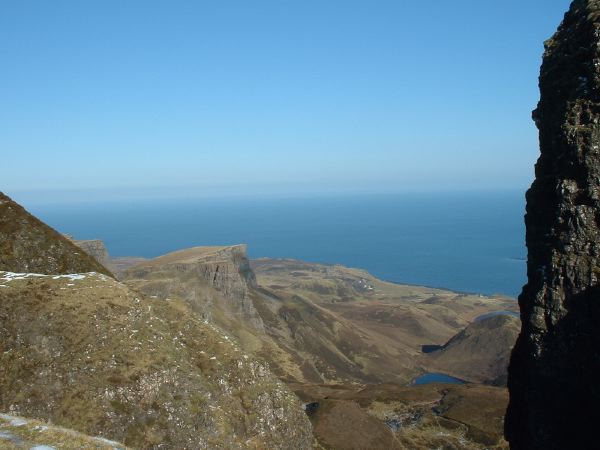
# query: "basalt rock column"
{"points": [[554, 373]]}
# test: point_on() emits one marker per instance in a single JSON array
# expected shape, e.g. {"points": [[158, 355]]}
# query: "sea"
{"points": [[463, 241]]}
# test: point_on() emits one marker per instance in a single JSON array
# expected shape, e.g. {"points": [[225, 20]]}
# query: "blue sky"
{"points": [[201, 97]]}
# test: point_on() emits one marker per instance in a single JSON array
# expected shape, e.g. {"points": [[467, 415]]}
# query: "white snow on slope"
{"points": [[10, 276]]}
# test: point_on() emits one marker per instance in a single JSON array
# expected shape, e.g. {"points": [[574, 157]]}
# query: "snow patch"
{"points": [[6, 436], [10, 276], [73, 276], [17, 422], [43, 447], [107, 441]]}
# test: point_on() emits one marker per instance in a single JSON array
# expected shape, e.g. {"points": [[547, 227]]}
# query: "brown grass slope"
{"points": [[481, 352], [390, 416], [375, 330], [340, 326], [29, 245], [19, 433], [314, 323], [89, 354]]}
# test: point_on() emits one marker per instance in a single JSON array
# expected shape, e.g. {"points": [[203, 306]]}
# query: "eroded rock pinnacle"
{"points": [[555, 366]]}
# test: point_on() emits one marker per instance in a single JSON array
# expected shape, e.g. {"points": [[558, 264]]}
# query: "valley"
{"points": [[204, 348], [351, 345]]}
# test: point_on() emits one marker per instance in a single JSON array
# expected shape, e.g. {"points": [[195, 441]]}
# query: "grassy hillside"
{"points": [[29, 245], [377, 329], [480, 352], [87, 353], [314, 323], [389, 416], [351, 344]]}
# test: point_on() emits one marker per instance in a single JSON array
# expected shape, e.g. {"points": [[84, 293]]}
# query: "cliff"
{"points": [[555, 365], [207, 278], [29, 245], [95, 248]]}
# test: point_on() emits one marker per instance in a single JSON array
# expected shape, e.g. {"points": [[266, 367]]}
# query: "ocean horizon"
{"points": [[463, 241]]}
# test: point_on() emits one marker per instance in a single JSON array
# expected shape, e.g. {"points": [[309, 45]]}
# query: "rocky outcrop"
{"points": [[29, 245], [206, 277], [93, 247], [555, 366]]}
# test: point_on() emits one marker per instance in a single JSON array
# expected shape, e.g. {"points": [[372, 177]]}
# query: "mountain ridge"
{"points": [[29, 245]]}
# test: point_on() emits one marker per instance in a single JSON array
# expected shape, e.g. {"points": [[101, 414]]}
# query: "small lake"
{"points": [[429, 378], [497, 313], [431, 348]]}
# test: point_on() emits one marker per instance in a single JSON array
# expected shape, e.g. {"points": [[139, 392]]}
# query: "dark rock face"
{"points": [[555, 365], [29, 245]]}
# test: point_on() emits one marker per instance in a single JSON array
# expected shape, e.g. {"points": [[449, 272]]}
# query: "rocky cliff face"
{"points": [[555, 366], [95, 248], [205, 277], [29, 245]]}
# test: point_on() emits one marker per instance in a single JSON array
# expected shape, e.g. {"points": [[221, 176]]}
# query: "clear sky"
{"points": [[225, 96]]}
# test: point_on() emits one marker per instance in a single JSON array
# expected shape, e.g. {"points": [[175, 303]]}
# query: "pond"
{"points": [[429, 378]]}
